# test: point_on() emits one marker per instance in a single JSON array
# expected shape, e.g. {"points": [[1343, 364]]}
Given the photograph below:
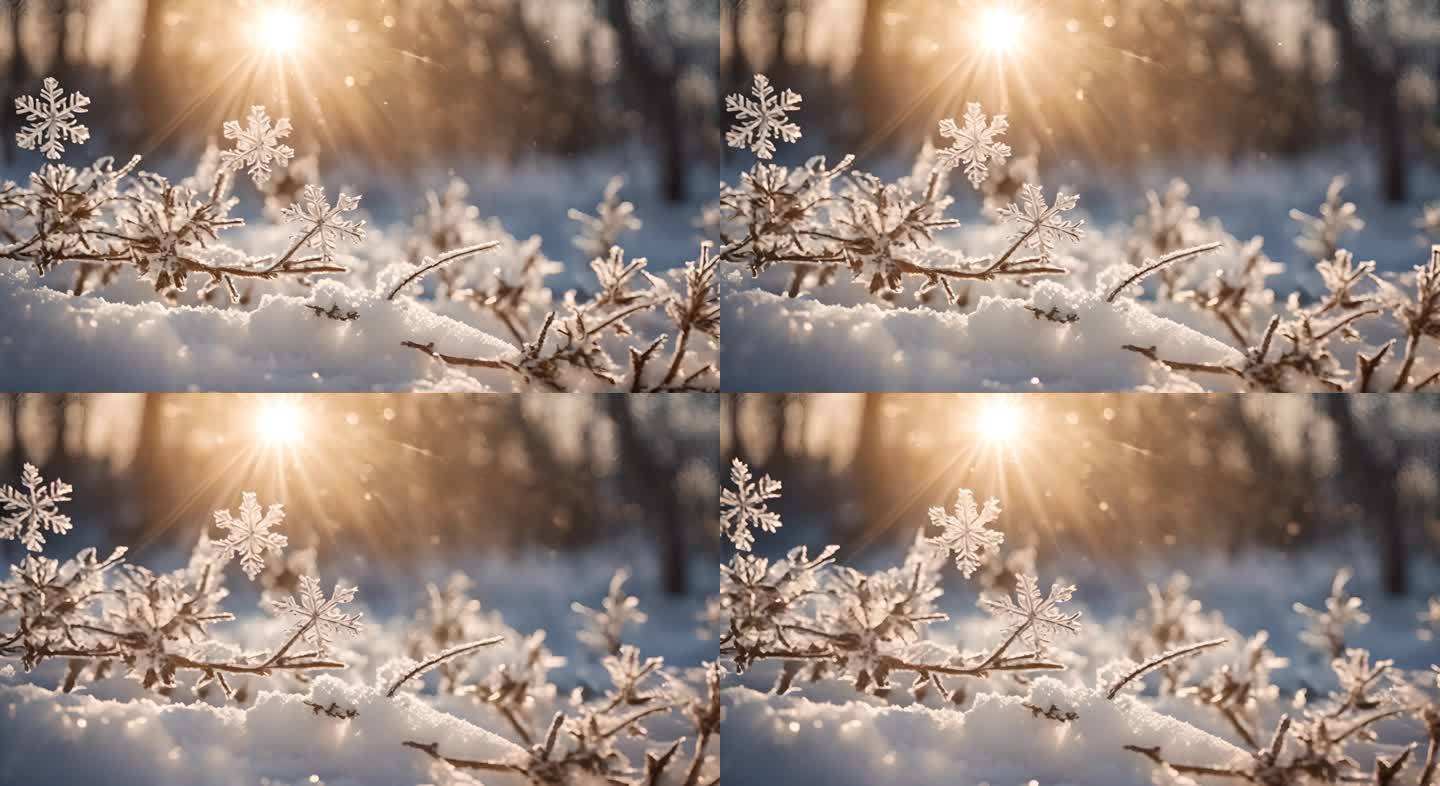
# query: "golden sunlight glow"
{"points": [[1001, 29], [279, 422], [279, 30], [1000, 421]]}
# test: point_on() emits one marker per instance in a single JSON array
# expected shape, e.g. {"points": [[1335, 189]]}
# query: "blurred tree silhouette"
{"points": [[396, 84], [404, 476], [1117, 82], [1113, 476]]}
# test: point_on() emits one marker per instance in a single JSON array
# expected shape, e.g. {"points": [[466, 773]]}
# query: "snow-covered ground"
{"points": [[1059, 333], [347, 331], [843, 672], [348, 726], [827, 732]]}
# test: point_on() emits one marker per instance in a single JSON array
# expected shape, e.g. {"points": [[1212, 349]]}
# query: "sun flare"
{"points": [[280, 423], [279, 30], [1000, 422], [1001, 30]]}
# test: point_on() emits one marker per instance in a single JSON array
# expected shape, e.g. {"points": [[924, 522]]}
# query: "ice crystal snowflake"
{"points": [[744, 506], [52, 119], [29, 512], [1038, 619], [250, 536], [317, 620], [974, 144], [1043, 226], [965, 533], [763, 119], [322, 227], [257, 145]]}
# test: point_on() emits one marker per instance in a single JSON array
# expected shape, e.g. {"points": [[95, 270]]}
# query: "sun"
{"points": [[280, 423], [279, 30], [1000, 422], [1001, 29]]}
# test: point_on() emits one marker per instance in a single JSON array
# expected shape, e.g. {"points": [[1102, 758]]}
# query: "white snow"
{"points": [[791, 739], [74, 739], [50, 340], [776, 343]]}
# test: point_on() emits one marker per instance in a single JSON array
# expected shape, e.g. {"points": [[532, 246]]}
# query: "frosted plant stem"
{"points": [[453, 652], [1164, 261], [441, 261], [1412, 344], [1161, 660], [1432, 758]]}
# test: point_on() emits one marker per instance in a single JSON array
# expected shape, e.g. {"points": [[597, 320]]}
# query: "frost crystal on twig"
{"points": [[763, 119], [317, 620], [613, 218], [250, 536], [965, 533], [52, 119], [1034, 618], [973, 144], [257, 145], [1041, 227], [322, 227], [605, 627], [744, 506], [33, 510]]}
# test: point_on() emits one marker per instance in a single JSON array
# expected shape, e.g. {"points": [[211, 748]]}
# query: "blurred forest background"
{"points": [[391, 82], [403, 476], [1112, 478], [1115, 82]]}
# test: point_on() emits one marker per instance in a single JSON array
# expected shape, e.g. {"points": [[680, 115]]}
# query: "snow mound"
{"points": [[778, 343], [51, 340], [999, 740], [66, 739]]}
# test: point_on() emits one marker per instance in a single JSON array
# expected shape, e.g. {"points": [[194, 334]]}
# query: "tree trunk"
{"points": [[1368, 478], [866, 77], [654, 482], [149, 74], [60, 54], [19, 71], [1379, 85], [737, 68], [660, 90], [780, 60]]}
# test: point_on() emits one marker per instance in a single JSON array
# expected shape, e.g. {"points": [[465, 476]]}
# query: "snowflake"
{"points": [[52, 119], [317, 619], [974, 144], [323, 226], [1043, 227], [965, 533], [744, 507], [35, 509], [761, 120], [257, 145], [250, 535], [1037, 619]]}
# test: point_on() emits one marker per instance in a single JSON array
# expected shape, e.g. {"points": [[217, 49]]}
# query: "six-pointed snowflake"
{"points": [[974, 144], [250, 536], [744, 506], [317, 619], [1040, 225], [29, 512], [52, 119], [257, 145], [965, 533], [322, 227], [1038, 619], [762, 120]]}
